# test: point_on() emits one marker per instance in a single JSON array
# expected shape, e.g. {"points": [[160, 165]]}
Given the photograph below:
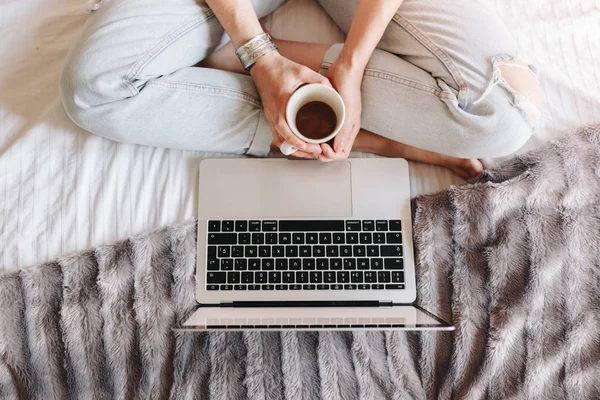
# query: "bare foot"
{"points": [[369, 142]]}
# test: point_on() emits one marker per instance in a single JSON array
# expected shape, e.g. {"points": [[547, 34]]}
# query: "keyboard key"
{"points": [[278, 251], [305, 251], [351, 238], [270, 238], [346, 251], [275, 277], [373, 251], [254, 264], [258, 238], [241, 264], [237, 251], [394, 286], [260, 277], [391, 251], [376, 263], [269, 226], [312, 238], [289, 277], [247, 277], [281, 287], [362, 263], [335, 263], [244, 238], [226, 287], [291, 251], [318, 251], [268, 287], [343, 276], [325, 238], [251, 251], [379, 238], [381, 225], [268, 264], [349, 263], [301, 277], [254, 226], [396, 225], [356, 277], [264, 251], [322, 286], [353, 226], [370, 276], [222, 238], [336, 287], [329, 277], [298, 238], [366, 238], [377, 286], [240, 287], [311, 226], [339, 238], [224, 251], [281, 264], [295, 287], [295, 264], [364, 286], [285, 238], [227, 226], [349, 286], [212, 287], [241, 226], [233, 277], [333, 251], [214, 226], [394, 237], [394, 263], [316, 277], [216, 277], [308, 287], [254, 287], [398, 276], [227, 264], [383, 276], [322, 263], [212, 263], [308, 263], [359, 251], [368, 225]]}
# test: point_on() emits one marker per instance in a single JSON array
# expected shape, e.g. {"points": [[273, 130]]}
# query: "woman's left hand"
{"points": [[347, 81]]}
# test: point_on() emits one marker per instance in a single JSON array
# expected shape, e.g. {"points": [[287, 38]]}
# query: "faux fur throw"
{"points": [[511, 258]]}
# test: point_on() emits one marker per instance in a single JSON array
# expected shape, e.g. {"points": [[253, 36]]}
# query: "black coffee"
{"points": [[316, 120]]}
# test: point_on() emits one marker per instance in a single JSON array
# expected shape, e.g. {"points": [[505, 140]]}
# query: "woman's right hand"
{"points": [[276, 78]]}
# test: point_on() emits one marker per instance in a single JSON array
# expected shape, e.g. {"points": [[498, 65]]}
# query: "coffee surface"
{"points": [[316, 120]]}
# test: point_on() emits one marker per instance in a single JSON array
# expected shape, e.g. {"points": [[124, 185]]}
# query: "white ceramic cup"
{"points": [[306, 94]]}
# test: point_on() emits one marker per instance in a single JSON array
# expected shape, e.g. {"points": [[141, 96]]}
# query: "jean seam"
{"points": [[440, 54], [398, 79], [196, 87], [161, 45]]}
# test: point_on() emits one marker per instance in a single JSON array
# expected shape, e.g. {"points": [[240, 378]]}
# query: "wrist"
{"points": [[266, 61], [351, 62]]}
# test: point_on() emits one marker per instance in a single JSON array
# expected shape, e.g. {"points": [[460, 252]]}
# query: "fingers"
{"points": [[330, 155], [284, 131], [310, 76]]}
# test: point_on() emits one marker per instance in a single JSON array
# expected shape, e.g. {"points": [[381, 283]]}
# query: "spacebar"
{"points": [[311, 226]]}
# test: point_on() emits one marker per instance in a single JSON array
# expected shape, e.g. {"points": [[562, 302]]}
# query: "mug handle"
{"points": [[287, 148]]}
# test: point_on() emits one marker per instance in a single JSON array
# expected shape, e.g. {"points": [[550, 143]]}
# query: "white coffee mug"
{"points": [[304, 95]]}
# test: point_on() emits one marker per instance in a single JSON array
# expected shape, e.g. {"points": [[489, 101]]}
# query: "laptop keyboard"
{"points": [[304, 255]]}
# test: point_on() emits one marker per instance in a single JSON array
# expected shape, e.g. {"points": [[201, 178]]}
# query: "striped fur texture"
{"points": [[512, 258]]}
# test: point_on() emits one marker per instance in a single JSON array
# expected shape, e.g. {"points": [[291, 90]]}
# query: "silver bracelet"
{"points": [[254, 49]]}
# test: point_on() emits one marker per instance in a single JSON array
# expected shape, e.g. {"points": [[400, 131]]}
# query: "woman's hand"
{"points": [[347, 81], [276, 78]]}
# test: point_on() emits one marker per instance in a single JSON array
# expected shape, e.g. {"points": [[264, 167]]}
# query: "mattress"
{"points": [[64, 190]]}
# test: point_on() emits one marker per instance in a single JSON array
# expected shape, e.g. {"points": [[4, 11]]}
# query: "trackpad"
{"points": [[275, 189]]}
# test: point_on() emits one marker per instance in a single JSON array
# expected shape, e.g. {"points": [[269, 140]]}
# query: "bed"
{"points": [[63, 190]]}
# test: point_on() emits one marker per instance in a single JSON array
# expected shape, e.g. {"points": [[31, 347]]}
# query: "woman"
{"points": [[436, 81]]}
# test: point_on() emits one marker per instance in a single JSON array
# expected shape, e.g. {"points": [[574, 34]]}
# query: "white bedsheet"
{"points": [[64, 190]]}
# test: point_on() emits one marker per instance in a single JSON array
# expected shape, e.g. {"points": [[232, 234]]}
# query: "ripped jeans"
{"points": [[431, 83]]}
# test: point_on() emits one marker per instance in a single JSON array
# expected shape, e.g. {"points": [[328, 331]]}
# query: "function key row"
{"points": [[245, 238], [305, 226]]}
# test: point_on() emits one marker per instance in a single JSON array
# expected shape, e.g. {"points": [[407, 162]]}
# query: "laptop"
{"points": [[306, 245]]}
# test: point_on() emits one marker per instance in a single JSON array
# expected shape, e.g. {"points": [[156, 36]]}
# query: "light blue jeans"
{"points": [[131, 77]]}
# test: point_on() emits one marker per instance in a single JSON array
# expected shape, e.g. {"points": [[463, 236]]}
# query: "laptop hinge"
{"points": [[261, 304]]}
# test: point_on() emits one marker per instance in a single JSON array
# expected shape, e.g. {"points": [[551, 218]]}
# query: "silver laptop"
{"points": [[305, 245]]}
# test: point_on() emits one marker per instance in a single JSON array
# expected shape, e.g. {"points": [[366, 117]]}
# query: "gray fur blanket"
{"points": [[512, 258]]}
